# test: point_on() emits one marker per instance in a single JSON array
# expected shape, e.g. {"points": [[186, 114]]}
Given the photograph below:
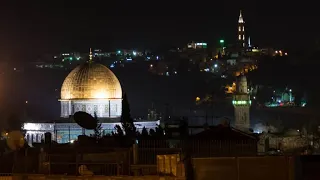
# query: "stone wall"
{"points": [[284, 143]]}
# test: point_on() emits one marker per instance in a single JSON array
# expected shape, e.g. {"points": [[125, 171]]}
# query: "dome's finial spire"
{"points": [[90, 56]]}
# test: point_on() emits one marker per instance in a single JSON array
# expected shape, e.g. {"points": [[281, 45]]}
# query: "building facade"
{"points": [[91, 88]]}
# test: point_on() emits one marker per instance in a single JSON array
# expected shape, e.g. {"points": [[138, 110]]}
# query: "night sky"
{"points": [[31, 29]]}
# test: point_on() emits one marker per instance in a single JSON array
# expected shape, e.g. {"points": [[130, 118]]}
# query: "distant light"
{"points": [[175, 72], [119, 52], [197, 98], [290, 90], [78, 58], [221, 41], [14, 69], [134, 53], [157, 57], [129, 59], [216, 65], [151, 65], [26, 102], [112, 66]]}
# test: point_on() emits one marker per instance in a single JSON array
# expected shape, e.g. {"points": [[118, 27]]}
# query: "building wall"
{"points": [[103, 108], [66, 132], [242, 117]]}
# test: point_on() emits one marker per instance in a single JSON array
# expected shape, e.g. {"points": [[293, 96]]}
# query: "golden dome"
{"points": [[91, 81]]}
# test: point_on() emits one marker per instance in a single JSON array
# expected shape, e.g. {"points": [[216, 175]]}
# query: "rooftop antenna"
{"points": [[90, 56]]}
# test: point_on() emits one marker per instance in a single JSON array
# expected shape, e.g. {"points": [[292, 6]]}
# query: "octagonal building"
{"points": [[92, 88]]}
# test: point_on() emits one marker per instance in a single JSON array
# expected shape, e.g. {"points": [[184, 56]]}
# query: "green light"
{"points": [[241, 102], [221, 41]]}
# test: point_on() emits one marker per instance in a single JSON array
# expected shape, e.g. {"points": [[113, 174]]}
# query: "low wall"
{"points": [[59, 177], [244, 168]]}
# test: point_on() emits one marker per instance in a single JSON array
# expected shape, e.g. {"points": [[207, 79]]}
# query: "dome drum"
{"points": [[106, 108]]}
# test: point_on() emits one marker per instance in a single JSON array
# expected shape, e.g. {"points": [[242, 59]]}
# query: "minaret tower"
{"points": [[90, 56], [241, 32], [241, 102]]}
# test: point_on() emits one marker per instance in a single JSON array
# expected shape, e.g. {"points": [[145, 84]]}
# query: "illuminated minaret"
{"points": [[241, 32], [241, 102], [90, 56], [249, 42]]}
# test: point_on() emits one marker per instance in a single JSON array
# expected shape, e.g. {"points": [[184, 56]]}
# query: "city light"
{"points": [[221, 41]]}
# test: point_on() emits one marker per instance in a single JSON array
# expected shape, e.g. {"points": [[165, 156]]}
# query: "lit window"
{"points": [[239, 28], [239, 37], [242, 37], [242, 28]]}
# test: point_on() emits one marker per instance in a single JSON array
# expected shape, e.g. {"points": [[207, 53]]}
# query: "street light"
{"points": [[221, 41]]}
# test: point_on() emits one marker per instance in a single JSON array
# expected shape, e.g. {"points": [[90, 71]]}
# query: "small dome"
{"points": [[91, 81]]}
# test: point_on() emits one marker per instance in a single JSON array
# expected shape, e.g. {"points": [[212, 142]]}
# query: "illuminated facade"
{"points": [[92, 88], [68, 132], [241, 102], [241, 31], [197, 45]]}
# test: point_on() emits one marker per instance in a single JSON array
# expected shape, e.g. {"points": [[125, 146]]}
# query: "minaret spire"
{"points": [[241, 32], [240, 18], [90, 56], [249, 42]]}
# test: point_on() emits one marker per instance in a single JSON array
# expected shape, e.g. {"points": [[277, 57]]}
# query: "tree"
{"points": [[159, 131], [152, 132], [126, 120], [184, 127], [144, 132], [119, 131], [97, 130]]}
